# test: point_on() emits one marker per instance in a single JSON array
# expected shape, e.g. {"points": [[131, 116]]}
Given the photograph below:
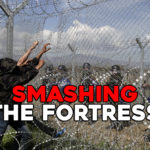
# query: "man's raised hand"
{"points": [[45, 47], [35, 43]]}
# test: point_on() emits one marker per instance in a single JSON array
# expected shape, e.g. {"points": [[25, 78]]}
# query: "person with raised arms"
{"points": [[14, 73]]}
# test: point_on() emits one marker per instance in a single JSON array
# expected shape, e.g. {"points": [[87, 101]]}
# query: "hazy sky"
{"points": [[106, 30]]}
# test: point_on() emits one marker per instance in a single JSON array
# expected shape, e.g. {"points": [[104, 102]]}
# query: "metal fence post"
{"points": [[10, 23], [10, 28]]}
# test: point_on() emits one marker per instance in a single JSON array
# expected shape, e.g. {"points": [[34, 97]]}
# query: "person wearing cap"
{"points": [[87, 76], [87, 80], [116, 79], [86, 71], [48, 75], [62, 77]]}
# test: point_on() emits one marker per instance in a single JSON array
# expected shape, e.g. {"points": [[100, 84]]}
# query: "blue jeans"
{"points": [[23, 138], [3, 126]]}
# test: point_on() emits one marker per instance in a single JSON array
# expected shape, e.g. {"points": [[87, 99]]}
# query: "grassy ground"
{"points": [[88, 137], [81, 136], [61, 143]]}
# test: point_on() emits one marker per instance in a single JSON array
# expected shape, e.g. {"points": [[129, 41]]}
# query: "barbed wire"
{"points": [[38, 7], [35, 15]]}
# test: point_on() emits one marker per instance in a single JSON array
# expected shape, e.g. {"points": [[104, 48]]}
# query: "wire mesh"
{"points": [[100, 32]]}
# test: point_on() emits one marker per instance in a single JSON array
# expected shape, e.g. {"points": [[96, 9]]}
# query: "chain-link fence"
{"points": [[100, 33]]}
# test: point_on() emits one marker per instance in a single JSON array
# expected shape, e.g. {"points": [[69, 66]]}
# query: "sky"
{"points": [[104, 32]]}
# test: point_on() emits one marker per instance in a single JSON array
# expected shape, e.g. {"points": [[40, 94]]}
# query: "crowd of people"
{"points": [[87, 78]]}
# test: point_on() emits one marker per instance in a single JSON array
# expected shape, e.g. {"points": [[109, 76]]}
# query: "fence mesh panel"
{"points": [[100, 32]]}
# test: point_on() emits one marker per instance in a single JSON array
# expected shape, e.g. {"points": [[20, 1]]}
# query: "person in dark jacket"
{"points": [[49, 71], [88, 79], [14, 73]]}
